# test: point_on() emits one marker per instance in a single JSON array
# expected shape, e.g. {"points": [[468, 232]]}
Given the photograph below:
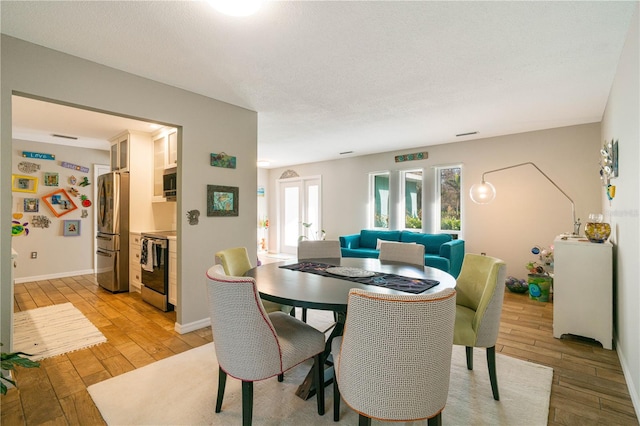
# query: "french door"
{"points": [[299, 211]]}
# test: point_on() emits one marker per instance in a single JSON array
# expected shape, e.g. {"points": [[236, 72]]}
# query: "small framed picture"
{"points": [[50, 179], [222, 200], [59, 202], [20, 183], [31, 205], [71, 228]]}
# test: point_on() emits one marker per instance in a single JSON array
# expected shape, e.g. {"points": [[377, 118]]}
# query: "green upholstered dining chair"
{"points": [[235, 262], [480, 288]]}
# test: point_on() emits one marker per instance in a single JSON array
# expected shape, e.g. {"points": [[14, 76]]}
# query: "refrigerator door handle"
{"points": [[103, 253], [102, 237]]}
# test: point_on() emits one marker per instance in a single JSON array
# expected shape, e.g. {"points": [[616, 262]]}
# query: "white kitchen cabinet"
{"points": [[583, 289], [159, 154], [135, 270], [172, 149], [165, 156], [132, 152], [120, 153], [173, 272]]}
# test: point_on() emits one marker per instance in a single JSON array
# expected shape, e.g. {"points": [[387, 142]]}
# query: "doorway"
{"points": [[299, 212]]}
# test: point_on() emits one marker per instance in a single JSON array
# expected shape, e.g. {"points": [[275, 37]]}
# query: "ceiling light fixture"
{"points": [[263, 163], [236, 7]]}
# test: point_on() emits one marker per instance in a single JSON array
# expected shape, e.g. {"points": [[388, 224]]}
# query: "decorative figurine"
{"points": [[192, 216]]}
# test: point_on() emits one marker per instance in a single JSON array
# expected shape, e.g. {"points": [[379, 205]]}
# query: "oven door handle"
{"points": [[157, 241]]}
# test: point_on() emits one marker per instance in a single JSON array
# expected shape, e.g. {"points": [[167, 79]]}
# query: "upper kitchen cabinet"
{"points": [[172, 149], [120, 153], [132, 152], [165, 156]]}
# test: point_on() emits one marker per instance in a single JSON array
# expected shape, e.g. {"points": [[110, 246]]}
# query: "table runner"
{"points": [[380, 279]]}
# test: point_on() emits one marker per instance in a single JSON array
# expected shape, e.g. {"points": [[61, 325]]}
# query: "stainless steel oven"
{"points": [[154, 262]]}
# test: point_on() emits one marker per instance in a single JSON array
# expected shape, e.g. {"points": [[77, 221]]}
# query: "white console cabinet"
{"points": [[583, 289]]}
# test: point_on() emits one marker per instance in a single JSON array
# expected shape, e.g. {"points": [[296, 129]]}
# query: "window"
{"points": [[448, 199], [380, 200], [412, 181]]}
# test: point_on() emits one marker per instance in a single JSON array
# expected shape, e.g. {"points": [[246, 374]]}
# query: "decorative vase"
{"points": [[596, 230]]}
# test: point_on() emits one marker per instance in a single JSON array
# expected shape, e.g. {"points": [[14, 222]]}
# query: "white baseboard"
{"points": [[53, 276], [192, 326], [631, 384]]}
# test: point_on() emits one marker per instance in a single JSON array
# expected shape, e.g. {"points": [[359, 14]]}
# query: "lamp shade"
{"points": [[482, 193]]}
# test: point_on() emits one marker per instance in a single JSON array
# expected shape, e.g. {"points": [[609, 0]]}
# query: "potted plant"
{"points": [[9, 361], [319, 235]]}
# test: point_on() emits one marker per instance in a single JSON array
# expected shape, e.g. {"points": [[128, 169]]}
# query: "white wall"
{"points": [[57, 255], [208, 126], [527, 211], [620, 122]]}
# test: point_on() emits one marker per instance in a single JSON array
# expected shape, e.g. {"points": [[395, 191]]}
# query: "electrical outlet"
{"points": [[34, 254]]}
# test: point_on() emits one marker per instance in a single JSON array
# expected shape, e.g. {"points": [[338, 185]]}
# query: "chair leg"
{"points": [[318, 368], [222, 381], [304, 314], [336, 397], [493, 376], [247, 403], [280, 377], [364, 420], [469, 350], [435, 420]]}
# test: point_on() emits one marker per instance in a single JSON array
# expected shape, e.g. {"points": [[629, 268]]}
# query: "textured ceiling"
{"points": [[327, 77]]}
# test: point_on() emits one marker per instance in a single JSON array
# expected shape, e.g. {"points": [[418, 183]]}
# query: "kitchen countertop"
{"points": [[171, 235]]}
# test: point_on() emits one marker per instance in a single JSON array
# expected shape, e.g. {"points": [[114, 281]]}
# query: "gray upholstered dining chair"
{"points": [[411, 254], [394, 360], [252, 345], [235, 261], [320, 249], [480, 287]]}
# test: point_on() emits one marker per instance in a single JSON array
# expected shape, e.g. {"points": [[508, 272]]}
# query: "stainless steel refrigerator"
{"points": [[112, 269]]}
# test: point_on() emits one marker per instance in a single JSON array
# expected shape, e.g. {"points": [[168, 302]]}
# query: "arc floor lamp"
{"points": [[485, 192]]}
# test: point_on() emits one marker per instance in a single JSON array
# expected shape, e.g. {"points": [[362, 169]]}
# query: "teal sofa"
{"points": [[440, 250]]}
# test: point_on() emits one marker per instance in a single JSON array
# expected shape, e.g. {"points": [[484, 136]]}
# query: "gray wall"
{"points": [[208, 126], [620, 122], [57, 255], [528, 209]]}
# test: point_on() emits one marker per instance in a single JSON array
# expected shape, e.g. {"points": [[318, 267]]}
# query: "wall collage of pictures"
{"points": [[56, 192]]}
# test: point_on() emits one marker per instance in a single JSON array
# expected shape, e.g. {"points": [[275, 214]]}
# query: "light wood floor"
{"points": [[588, 384]]}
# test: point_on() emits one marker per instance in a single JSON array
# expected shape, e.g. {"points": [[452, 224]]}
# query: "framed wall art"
{"points": [[31, 205], [71, 228], [59, 202], [20, 183], [222, 200], [223, 160], [51, 179]]}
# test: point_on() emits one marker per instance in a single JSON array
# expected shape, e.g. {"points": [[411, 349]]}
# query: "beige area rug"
{"points": [[181, 390], [53, 330]]}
